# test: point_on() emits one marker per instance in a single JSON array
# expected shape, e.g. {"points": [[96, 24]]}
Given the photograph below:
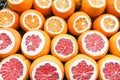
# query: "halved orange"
{"points": [[93, 43], [31, 20], [78, 23], [55, 25], [63, 8], [93, 8], [64, 47], [35, 43], [107, 24], [9, 18], [46, 67], [20, 5], [44, 6], [81, 67], [10, 40]]}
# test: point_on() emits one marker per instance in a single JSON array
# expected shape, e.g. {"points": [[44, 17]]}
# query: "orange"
{"points": [[114, 43], [78, 23], [93, 8], [46, 67], [44, 6], [10, 40], [107, 24], [64, 47], [15, 67], [20, 5], [113, 7], [55, 25], [109, 68], [9, 18], [35, 43], [63, 8], [93, 44], [81, 67], [31, 20]]}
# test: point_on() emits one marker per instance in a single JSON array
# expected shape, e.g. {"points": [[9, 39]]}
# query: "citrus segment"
{"points": [[64, 47], [31, 20], [81, 67], [78, 23], [35, 43], [47, 67], [93, 44], [14, 67]]}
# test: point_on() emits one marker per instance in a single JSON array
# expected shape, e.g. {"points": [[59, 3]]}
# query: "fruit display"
{"points": [[59, 39]]}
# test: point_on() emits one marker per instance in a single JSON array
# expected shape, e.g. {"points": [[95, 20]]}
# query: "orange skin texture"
{"points": [[113, 47], [15, 25], [98, 27], [33, 11], [78, 57], [66, 14], [64, 59], [24, 5], [17, 37], [25, 60], [46, 58], [71, 20], [45, 50], [92, 11]]}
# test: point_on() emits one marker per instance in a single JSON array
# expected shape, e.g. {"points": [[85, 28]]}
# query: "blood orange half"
{"points": [[109, 68], [47, 67], [81, 67], [93, 44], [35, 43], [64, 47], [14, 67]]}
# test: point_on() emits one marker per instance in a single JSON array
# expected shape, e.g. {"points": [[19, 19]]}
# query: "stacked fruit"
{"points": [[60, 40]]}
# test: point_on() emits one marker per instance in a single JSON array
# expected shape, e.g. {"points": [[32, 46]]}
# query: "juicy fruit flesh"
{"points": [[63, 4], [96, 2], [117, 5], [44, 2]]}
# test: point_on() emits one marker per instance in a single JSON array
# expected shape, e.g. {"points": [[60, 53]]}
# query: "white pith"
{"points": [[37, 2], [13, 17], [55, 43], [115, 6], [9, 47], [93, 77], [23, 63], [97, 6], [109, 30], [58, 70], [118, 47], [88, 26], [14, 2], [98, 52], [41, 46], [56, 18], [32, 14], [103, 65], [62, 10]]}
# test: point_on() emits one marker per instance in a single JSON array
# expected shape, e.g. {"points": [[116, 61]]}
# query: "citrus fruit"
{"points": [[47, 67], [44, 6], [113, 7], [114, 44], [14, 67], [55, 25], [109, 68], [35, 43], [31, 20], [93, 8], [107, 24], [64, 47], [63, 8], [78, 23], [9, 18], [19, 5], [10, 40], [93, 44], [81, 67]]}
